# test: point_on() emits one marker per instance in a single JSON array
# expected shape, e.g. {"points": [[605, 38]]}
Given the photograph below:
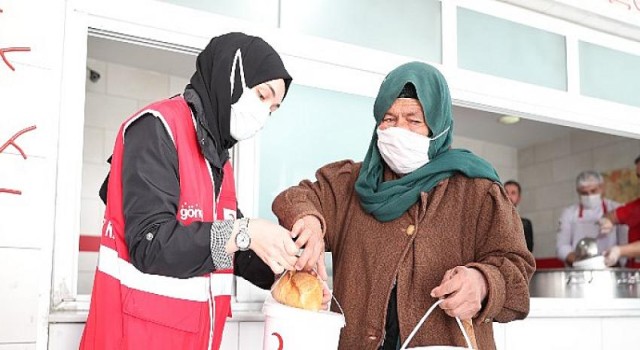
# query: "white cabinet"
{"points": [[250, 335], [19, 286], [620, 333], [585, 324], [584, 333], [554, 333], [230, 336], [26, 346], [553, 324], [63, 336], [499, 334]]}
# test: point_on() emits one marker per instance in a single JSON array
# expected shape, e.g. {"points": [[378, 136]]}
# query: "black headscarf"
{"points": [[211, 79]]}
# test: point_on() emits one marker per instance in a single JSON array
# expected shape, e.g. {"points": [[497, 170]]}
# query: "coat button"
{"points": [[410, 230], [372, 337], [149, 236], [487, 320]]}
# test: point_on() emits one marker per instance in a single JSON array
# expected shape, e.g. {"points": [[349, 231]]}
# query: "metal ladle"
{"points": [[586, 248]]}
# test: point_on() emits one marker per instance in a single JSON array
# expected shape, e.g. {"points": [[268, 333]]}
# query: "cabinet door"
{"points": [[63, 336], [554, 334], [230, 336], [29, 346], [250, 335], [499, 335], [620, 333]]}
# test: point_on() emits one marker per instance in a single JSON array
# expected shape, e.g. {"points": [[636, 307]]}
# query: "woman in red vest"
{"points": [[172, 237]]}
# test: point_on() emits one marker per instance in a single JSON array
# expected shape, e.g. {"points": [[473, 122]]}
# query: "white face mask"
{"points": [[591, 201], [248, 114], [404, 151]]}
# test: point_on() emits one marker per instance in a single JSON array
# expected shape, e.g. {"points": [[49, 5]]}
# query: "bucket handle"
{"points": [[424, 318], [337, 303]]}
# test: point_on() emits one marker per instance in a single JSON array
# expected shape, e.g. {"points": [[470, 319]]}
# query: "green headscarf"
{"points": [[390, 199]]}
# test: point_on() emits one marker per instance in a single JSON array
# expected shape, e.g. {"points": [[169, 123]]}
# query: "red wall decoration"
{"points": [[5, 50], [12, 142], [12, 139], [628, 4]]}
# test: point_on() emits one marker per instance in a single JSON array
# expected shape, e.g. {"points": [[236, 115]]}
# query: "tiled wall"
{"points": [[120, 92], [503, 158], [547, 173]]}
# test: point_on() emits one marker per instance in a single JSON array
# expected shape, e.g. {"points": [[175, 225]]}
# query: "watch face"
{"points": [[243, 241]]}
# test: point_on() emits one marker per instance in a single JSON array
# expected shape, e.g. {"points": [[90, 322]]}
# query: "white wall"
{"points": [[29, 96], [547, 173], [120, 92]]}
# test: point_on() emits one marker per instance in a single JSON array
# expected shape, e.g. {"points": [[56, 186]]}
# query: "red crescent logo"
{"points": [[280, 342]]}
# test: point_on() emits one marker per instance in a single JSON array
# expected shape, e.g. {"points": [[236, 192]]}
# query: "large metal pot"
{"points": [[579, 283]]}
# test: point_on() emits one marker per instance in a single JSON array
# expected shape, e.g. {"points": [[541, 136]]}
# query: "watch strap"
{"points": [[243, 230]]}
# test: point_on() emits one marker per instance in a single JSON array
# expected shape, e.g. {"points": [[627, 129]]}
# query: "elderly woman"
{"points": [[415, 222]]}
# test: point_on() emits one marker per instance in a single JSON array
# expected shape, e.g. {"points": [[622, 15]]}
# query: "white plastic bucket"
{"points": [[290, 328], [435, 347]]}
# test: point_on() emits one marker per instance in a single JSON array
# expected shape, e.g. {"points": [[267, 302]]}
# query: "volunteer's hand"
{"points": [[606, 226], [308, 231], [612, 255], [326, 296], [463, 290], [273, 244]]}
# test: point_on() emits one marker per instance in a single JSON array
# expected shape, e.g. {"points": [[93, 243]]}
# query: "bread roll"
{"points": [[299, 289]]}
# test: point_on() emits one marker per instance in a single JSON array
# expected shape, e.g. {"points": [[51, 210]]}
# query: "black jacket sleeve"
{"points": [[102, 193], [250, 267], [157, 242], [528, 233], [151, 190]]}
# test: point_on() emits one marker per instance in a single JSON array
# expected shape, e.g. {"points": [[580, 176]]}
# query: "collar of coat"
{"points": [[212, 152]]}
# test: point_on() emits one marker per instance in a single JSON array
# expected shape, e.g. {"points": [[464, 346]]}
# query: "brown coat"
{"points": [[462, 221]]}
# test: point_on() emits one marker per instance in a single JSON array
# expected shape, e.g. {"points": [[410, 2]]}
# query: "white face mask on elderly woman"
{"points": [[248, 114], [404, 151]]}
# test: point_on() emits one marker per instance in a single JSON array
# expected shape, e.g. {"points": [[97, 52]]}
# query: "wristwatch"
{"points": [[243, 240]]}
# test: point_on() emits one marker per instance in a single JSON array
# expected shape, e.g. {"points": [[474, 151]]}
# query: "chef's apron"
{"points": [[588, 227]]}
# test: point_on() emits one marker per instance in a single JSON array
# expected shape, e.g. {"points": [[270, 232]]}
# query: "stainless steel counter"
{"points": [[540, 308]]}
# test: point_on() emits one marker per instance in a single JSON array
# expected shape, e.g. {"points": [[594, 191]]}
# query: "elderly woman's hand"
{"points": [[308, 231], [463, 290], [326, 296]]}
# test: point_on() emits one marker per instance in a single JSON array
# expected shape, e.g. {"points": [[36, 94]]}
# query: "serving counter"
{"points": [[553, 323]]}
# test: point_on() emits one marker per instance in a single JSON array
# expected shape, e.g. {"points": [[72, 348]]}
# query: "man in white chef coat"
{"points": [[581, 220]]}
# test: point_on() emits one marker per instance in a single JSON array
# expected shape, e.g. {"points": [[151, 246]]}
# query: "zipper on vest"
{"points": [[212, 320], [213, 184], [212, 306]]}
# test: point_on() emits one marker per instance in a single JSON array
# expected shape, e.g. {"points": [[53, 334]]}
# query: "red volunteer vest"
{"points": [[629, 214], [133, 310]]}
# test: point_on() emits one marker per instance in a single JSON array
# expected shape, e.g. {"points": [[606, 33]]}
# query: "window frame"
{"points": [[313, 62]]}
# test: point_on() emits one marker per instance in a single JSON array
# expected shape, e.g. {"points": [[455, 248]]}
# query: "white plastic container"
{"points": [[435, 347], [290, 328], [594, 262]]}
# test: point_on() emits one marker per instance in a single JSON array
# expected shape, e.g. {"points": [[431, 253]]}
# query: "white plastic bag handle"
{"points": [[424, 318]]}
